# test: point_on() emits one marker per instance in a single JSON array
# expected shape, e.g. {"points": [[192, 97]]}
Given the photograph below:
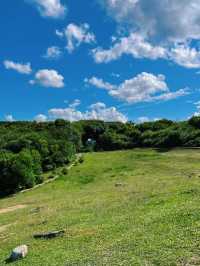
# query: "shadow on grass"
{"points": [[163, 150], [8, 261]]}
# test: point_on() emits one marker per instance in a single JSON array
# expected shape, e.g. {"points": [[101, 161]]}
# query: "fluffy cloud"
{"points": [[159, 20], [185, 56], [119, 9], [97, 111], [53, 52], [136, 46], [76, 35], [40, 118], [99, 83], [144, 87], [153, 32], [19, 67], [50, 8], [48, 78], [133, 45], [9, 118]]}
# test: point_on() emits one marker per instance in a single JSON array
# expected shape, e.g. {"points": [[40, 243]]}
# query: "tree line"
{"points": [[28, 149]]}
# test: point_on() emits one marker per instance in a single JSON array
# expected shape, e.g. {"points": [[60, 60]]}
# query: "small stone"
{"points": [[120, 184], [19, 252]]}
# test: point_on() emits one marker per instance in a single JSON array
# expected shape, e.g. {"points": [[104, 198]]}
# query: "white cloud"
{"points": [[40, 118], [143, 119], [144, 87], [197, 113], [119, 8], [53, 52], [48, 78], [76, 35], [185, 56], [75, 103], [172, 95], [136, 46], [99, 83], [156, 29], [115, 75], [9, 118], [133, 45], [97, 111], [60, 34], [19, 67], [159, 20], [50, 8]]}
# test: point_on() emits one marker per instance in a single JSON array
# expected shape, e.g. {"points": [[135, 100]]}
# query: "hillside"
{"points": [[138, 207]]}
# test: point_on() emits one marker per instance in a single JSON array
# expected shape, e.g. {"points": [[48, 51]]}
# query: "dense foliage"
{"points": [[27, 149]]}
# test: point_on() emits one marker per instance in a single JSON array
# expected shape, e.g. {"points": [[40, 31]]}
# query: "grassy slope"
{"points": [[153, 220]]}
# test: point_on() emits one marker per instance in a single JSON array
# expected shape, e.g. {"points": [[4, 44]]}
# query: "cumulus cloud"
{"points": [[144, 87], [185, 56], [97, 111], [50, 8], [40, 118], [53, 52], [134, 45], [159, 20], [19, 67], [76, 35], [9, 118], [119, 9], [156, 29], [48, 78]]}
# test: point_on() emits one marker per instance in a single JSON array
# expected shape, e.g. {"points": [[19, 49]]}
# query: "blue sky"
{"points": [[100, 59]]}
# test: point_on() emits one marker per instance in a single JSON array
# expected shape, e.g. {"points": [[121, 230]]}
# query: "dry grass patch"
{"points": [[12, 208]]}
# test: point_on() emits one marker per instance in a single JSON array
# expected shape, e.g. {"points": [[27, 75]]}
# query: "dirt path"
{"points": [[12, 208], [78, 156]]}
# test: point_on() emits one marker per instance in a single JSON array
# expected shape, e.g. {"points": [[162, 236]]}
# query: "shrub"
{"points": [[81, 159], [65, 171]]}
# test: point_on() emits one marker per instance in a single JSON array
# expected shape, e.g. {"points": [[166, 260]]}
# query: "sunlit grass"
{"points": [[153, 218]]}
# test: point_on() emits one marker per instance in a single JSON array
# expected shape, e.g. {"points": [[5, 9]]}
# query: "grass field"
{"points": [[152, 218]]}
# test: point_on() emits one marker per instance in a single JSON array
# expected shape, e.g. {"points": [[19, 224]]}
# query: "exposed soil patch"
{"points": [[5, 227], [12, 208]]}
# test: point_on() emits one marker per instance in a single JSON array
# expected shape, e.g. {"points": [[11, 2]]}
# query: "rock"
{"points": [[19, 252], [120, 185], [50, 235]]}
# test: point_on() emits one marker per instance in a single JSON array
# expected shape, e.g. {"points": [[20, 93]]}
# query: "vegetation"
{"points": [[153, 218], [28, 149]]}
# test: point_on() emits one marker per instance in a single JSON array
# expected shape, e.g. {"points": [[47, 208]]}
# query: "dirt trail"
{"points": [[12, 208]]}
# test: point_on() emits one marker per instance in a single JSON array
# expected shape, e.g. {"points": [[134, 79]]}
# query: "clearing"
{"points": [[139, 207]]}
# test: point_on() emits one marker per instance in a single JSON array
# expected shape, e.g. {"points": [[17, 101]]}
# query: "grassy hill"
{"points": [[139, 207]]}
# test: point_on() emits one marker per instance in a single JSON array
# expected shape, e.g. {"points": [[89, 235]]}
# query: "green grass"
{"points": [[153, 219]]}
